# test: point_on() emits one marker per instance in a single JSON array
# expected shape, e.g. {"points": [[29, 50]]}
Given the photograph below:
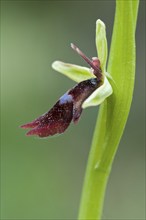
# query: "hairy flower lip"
{"points": [[68, 108], [56, 120]]}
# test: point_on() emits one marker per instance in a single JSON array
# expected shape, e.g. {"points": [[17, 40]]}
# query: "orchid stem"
{"points": [[113, 112]]}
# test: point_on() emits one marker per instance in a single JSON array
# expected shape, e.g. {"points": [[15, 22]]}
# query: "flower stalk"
{"points": [[113, 111]]}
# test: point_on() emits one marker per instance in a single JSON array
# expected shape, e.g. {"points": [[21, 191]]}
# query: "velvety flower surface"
{"points": [[66, 109]]}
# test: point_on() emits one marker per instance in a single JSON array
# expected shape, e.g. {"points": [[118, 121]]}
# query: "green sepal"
{"points": [[101, 44], [74, 72], [99, 95]]}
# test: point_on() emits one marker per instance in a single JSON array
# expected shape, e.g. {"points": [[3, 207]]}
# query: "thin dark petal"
{"points": [[68, 108], [94, 63]]}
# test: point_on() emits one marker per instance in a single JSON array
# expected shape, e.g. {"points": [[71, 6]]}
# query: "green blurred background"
{"points": [[43, 178]]}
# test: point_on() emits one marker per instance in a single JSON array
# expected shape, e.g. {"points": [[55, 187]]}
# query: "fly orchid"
{"points": [[92, 89]]}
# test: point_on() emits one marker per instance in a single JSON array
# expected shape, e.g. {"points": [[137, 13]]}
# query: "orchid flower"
{"points": [[92, 89]]}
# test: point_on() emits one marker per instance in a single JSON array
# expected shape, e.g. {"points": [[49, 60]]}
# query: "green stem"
{"points": [[113, 112]]}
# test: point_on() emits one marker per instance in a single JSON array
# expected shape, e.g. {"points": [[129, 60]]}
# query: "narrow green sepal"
{"points": [[74, 72], [101, 43], [99, 95]]}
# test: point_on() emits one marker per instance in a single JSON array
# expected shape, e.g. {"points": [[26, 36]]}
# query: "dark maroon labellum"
{"points": [[69, 107]]}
